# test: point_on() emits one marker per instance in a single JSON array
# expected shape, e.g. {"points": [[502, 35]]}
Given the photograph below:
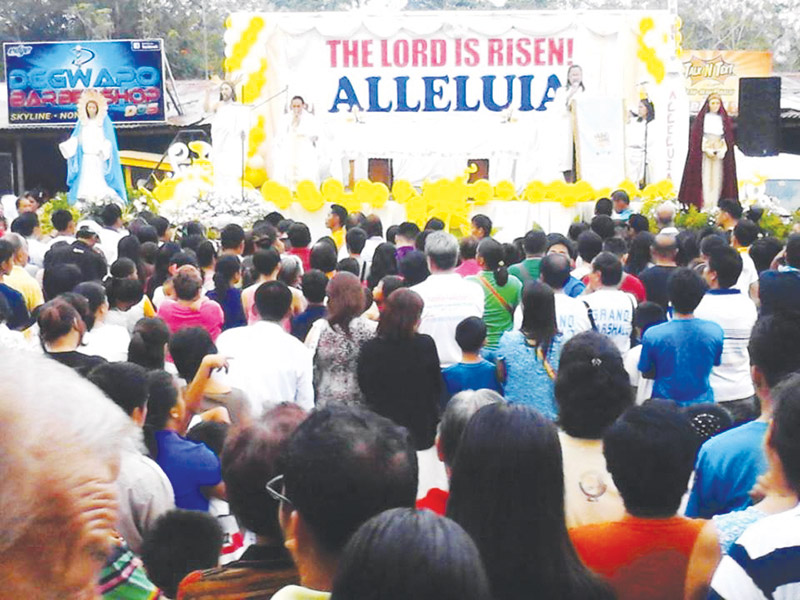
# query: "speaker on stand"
{"points": [[758, 130]]}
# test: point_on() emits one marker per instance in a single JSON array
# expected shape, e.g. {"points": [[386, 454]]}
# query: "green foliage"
{"points": [[58, 202], [692, 219], [776, 226]]}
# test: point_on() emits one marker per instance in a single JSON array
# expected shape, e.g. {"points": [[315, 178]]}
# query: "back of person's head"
{"points": [[130, 247], [576, 229], [468, 247], [61, 219], [650, 453], [56, 319], [558, 243], [610, 268], [539, 314], [441, 248], [731, 206], [419, 243], [592, 387], [638, 223], [60, 443], [554, 270], [346, 300], [124, 383], [604, 206], [122, 267], [61, 278], [25, 224], [249, 460], [266, 261], [773, 346], [373, 226], [110, 214], [95, 295], [81, 304], [264, 235], [688, 247], [763, 251], [615, 245], [179, 542], [639, 252], [413, 267], [299, 235], [183, 258], [147, 233], [355, 239], [274, 218], [438, 560], [711, 242], [123, 292], [343, 465], [746, 232], [726, 262], [490, 251], [273, 300], [163, 396], [206, 254], [148, 340], [590, 244], [507, 492], [603, 225], [390, 284], [231, 237], [793, 250], [685, 289], [193, 228], [291, 270], [314, 284], [483, 224], [192, 242], [434, 224], [211, 433], [471, 334], [408, 230], [323, 257], [228, 268], [707, 419], [456, 415], [188, 347], [648, 314], [187, 283], [535, 242], [664, 246], [402, 310], [348, 265], [784, 434]]}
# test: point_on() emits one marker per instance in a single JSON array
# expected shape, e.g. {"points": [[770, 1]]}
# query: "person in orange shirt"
{"points": [[652, 553]]}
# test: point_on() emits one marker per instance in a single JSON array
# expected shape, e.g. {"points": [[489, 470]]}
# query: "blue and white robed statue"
{"points": [[94, 173]]}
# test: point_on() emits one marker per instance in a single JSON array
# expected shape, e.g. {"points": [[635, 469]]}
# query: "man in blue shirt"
{"points": [[679, 355], [18, 317], [729, 463], [622, 206]]}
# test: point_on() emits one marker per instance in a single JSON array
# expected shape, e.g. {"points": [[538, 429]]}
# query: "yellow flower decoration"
{"points": [[534, 191], [481, 192], [505, 191], [402, 191], [278, 194], [332, 190]]}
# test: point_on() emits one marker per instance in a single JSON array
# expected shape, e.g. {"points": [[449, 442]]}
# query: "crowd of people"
{"points": [[399, 413]]}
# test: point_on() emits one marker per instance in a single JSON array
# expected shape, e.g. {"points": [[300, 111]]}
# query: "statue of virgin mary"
{"points": [[93, 168]]}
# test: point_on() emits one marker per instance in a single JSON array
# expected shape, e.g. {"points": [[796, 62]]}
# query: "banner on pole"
{"points": [[46, 79]]}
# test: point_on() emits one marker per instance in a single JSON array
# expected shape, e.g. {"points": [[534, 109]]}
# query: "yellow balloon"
{"points": [[481, 192], [402, 191], [279, 195], [309, 196], [255, 177], [380, 194], [505, 191], [332, 190]]}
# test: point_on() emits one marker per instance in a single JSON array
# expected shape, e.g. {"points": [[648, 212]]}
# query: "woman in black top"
{"points": [[398, 370], [61, 331]]}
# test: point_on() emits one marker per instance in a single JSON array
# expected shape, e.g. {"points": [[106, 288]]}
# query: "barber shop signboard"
{"points": [[46, 79]]}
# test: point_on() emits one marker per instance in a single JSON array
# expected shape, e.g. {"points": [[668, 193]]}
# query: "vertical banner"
{"points": [[600, 140], [46, 79]]}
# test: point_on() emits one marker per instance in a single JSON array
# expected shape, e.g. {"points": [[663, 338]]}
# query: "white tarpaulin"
{"points": [[432, 90]]}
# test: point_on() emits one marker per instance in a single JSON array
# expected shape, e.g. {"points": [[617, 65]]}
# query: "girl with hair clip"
{"points": [[502, 291], [507, 492], [710, 171]]}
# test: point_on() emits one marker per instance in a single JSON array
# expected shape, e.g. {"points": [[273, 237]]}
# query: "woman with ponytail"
{"points": [[227, 274], [192, 469], [61, 331], [501, 291], [592, 390], [148, 343]]}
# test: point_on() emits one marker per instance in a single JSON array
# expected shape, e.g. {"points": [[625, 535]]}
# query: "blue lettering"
{"points": [[402, 96], [125, 75], [84, 77], [374, 101], [148, 76], [37, 78], [432, 93], [104, 79], [345, 94], [57, 79], [488, 92], [525, 92], [552, 84], [461, 94], [17, 79]]}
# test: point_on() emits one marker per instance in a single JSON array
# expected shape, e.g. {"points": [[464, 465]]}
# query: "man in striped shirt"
{"points": [[764, 563]]}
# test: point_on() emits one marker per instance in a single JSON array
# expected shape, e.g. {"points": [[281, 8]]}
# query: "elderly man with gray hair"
{"points": [[60, 446], [448, 298], [19, 278]]}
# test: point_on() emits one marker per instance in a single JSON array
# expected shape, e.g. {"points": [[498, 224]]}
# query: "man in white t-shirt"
{"points": [[735, 312], [611, 310], [448, 298], [744, 234]]}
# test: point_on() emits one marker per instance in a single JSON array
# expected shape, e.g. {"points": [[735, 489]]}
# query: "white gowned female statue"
{"points": [[229, 128], [93, 168], [297, 157]]}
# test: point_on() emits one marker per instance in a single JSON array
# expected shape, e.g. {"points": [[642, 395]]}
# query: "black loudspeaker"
{"points": [[759, 123], [6, 173]]}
